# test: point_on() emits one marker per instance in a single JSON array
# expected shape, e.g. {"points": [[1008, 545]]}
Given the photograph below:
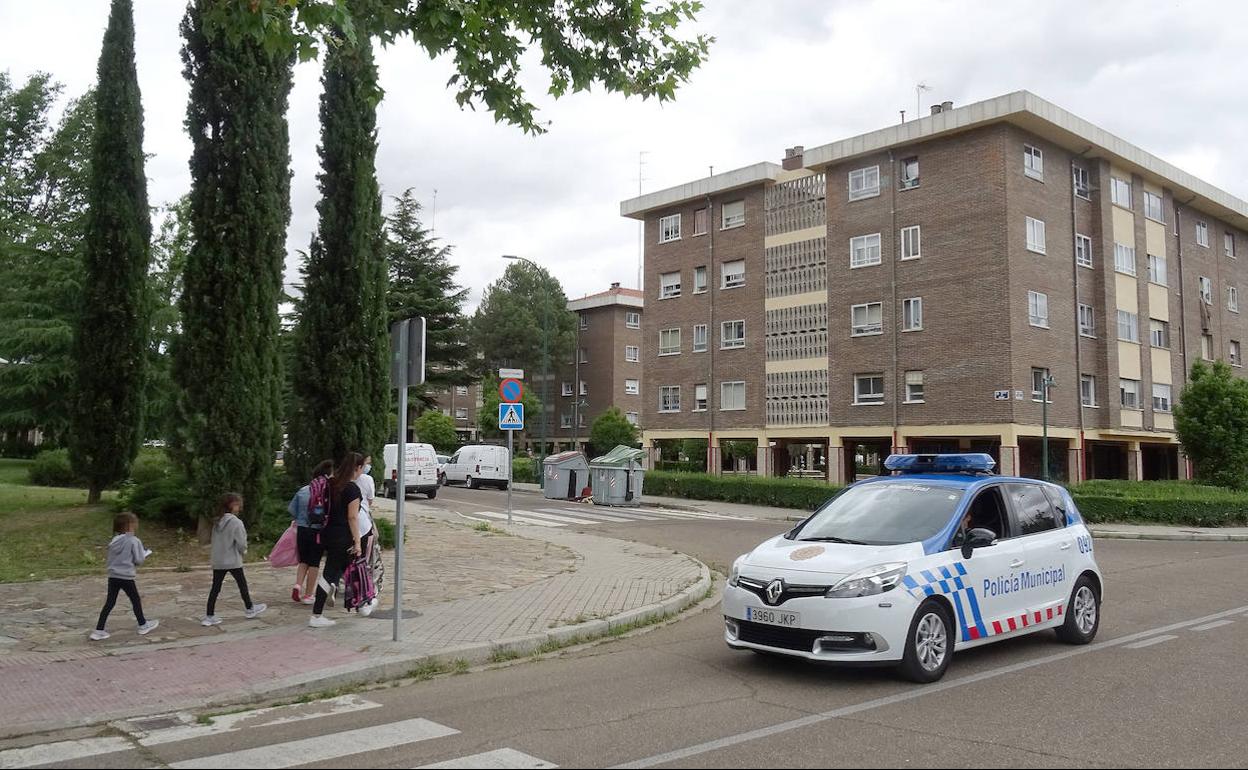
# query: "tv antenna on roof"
{"points": [[918, 95]]}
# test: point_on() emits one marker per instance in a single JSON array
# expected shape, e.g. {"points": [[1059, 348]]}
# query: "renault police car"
{"points": [[905, 569]]}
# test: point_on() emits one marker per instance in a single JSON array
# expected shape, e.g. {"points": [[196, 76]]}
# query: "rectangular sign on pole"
{"points": [[413, 357], [511, 416], [511, 374]]}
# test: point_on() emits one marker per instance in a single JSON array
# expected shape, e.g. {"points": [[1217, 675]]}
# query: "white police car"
{"points": [[905, 569]]}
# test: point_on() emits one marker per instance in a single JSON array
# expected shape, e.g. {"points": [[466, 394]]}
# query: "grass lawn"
{"points": [[50, 532]]}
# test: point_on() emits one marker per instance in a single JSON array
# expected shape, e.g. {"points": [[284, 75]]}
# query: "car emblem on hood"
{"points": [[774, 589]]}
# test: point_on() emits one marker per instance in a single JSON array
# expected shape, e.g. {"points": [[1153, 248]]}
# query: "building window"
{"points": [[699, 338], [1082, 189], [669, 285], [1161, 398], [669, 398], [699, 398], [911, 244], [1232, 299], [732, 274], [910, 173], [1083, 251], [1120, 192], [461, 390], [864, 183], [869, 388], [1087, 390], [912, 314], [565, 421], [1087, 321], [446, 412], [669, 228], [632, 417], [1038, 309], [731, 335], [1206, 347], [584, 388], [1234, 354], [1152, 207], [1202, 234], [632, 353], [584, 355], [1129, 393], [461, 414], [1124, 258], [581, 419], [1033, 162], [732, 396], [632, 320], [1038, 378], [669, 342], [864, 250], [1035, 235], [699, 222], [1206, 290], [567, 389], [699, 279], [1158, 333], [1157, 270], [1228, 244], [1128, 326], [914, 387], [584, 323], [732, 214], [632, 387], [867, 319]]}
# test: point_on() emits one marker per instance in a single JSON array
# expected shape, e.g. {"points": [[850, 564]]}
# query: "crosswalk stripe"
{"points": [[63, 751], [516, 515], [499, 759], [566, 519], [619, 514], [697, 515], [265, 717], [579, 512], [325, 747]]}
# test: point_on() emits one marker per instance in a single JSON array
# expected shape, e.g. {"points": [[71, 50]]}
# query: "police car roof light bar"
{"points": [[950, 463]]}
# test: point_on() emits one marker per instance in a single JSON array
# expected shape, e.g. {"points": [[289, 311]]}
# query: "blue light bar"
{"points": [[961, 463]]}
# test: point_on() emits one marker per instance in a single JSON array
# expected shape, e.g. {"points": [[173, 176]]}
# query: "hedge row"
{"points": [[801, 494], [524, 470]]}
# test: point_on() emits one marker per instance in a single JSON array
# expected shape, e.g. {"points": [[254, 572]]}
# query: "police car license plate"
{"points": [[772, 617]]}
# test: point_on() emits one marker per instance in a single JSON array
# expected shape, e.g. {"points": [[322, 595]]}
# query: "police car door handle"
{"points": [[1016, 564], [1064, 546]]}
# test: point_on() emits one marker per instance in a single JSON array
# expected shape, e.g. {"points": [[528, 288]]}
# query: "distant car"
{"points": [[480, 464], [442, 461]]}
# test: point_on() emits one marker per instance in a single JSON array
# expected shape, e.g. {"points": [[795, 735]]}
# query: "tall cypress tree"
{"points": [[341, 387], [110, 341], [226, 364]]}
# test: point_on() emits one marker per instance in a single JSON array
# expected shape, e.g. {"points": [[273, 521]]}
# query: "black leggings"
{"points": [[218, 577], [337, 557], [116, 586]]}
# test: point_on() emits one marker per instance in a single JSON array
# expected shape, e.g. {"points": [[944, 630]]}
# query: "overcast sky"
{"points": [[1167, 76]]}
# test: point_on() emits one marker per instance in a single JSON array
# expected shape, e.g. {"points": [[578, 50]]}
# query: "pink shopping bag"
{"points": [[286, 552]]}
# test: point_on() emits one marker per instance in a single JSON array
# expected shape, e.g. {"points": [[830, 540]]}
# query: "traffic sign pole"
{"points": [[510, 434]]}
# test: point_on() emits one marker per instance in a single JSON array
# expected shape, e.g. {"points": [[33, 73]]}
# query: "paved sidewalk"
{"points": [[588, 586]]}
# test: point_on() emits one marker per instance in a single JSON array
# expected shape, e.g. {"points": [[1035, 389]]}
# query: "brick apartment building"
{"points": [[910, 289], [461, 403]]}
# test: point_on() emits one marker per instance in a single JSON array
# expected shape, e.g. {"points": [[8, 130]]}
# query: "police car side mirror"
{"points": [[978, 538]]}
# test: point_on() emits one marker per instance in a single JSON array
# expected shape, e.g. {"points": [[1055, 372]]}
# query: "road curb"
{"points": [[1193, 537]]}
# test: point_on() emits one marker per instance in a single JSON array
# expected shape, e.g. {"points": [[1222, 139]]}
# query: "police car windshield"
{"points": [[884, 513]]}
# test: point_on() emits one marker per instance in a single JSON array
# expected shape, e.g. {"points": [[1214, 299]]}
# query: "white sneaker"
{"points": [[320, 621], [210, 620], [98, 635], [255, 610], [367, 608], [308, 600], [148, 627]]}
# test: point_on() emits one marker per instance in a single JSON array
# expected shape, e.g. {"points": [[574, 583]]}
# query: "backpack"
{"points": [[318, 502], [358, 585]]}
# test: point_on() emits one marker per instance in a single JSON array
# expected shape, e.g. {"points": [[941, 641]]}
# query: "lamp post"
{"points": [[541, 452], [1046, 383]]}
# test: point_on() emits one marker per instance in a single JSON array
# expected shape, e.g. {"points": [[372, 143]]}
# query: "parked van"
{"points": [[421, 474], [479, 464]]}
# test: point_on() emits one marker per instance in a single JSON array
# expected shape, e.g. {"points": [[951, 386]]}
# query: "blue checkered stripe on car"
{"points": [[948, 582]]}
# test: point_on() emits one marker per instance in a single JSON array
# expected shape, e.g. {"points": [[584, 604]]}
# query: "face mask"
{"points": [[368, 469]]}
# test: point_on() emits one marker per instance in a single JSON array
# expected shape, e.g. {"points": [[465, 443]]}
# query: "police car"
{"points": [[906, 569]]}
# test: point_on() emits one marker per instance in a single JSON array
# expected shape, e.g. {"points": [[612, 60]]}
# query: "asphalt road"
{"points": [[1163, 686]]}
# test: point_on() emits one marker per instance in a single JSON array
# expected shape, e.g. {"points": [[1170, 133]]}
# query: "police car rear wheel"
{"points": [[928, 645], [1083, 614]]}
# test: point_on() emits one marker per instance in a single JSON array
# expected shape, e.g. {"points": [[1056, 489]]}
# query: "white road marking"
{"points": [[516, 516], [577, 512], [568, 519], [265, 717], [1151, 642], [1211, 626], [911, 694], [325, 747], [63, 751], [499, 759]]}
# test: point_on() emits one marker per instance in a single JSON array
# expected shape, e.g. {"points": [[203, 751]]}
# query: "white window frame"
{"points": [[1206, 290], [861, 244], [1080, 174], [1087, 321], [1087, 390], [632, 387], [731, 280], [566, 390], [584, 388], [701, 217], [1083, 250], [666, 392], [1159, 333], [1158, 270], [1038, 395], [1038, 309], [632, 353], [1163, 397], [632, 320], [912, 314], [1232, 299], [1133, 391], [1035, 235], [1235, 353], [1153, 201], [1124, 259], [583, 354], [701, 398], [669, 228], [728, 222], [910, 382], [1120, 192], [867, 328], [667, 289], [1202, 233], [733, 385], [1128, 326], [565, 421], [699, 279], [1206, 347], [873, 398], [909, 182], [726, 343], [1228, 244], [584, 323], [1033, 162], [864, 190], [461, 413], [632, 417], [461, 390], [670, 350], [911, 242], [700, 348]]}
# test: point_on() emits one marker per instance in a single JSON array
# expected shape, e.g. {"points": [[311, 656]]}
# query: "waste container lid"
{"points": [[621, 457], [564, 457]]}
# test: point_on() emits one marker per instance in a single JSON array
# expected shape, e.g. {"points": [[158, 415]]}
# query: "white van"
{"points": [[479, 464], [420, 475]]}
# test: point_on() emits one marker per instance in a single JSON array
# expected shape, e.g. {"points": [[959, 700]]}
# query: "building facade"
{"points": [[924, 288], [462, 403]]}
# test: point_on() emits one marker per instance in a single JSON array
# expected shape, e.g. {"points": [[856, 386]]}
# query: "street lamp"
{"points": [[541, 452], [1046, 383]]}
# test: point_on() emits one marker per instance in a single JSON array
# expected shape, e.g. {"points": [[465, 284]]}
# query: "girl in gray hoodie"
{"points": [[229, 543]]}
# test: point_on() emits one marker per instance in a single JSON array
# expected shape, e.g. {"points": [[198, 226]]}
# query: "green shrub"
{"points": [[274, 520], [51, 468], [385, 532], [682, 466], [1176, 503], [166, 499], [751, 490], [150, 465], [524, 470]]}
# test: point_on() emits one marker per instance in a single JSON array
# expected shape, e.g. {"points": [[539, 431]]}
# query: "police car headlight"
{"points": [[869, 582], [735, 573]]}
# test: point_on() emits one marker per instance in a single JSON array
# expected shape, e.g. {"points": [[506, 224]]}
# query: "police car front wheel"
{"points": [[1083, 613], [929, 645]]}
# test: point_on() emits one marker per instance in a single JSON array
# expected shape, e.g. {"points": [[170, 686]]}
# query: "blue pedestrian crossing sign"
{"points": [[511, 416]]}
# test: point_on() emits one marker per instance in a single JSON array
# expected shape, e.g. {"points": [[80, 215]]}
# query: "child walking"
{"points": [[125, 554], [229, 543]]}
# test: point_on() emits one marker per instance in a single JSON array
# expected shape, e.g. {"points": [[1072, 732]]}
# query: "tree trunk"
{"points": [[205, 530], [93, 495]]}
